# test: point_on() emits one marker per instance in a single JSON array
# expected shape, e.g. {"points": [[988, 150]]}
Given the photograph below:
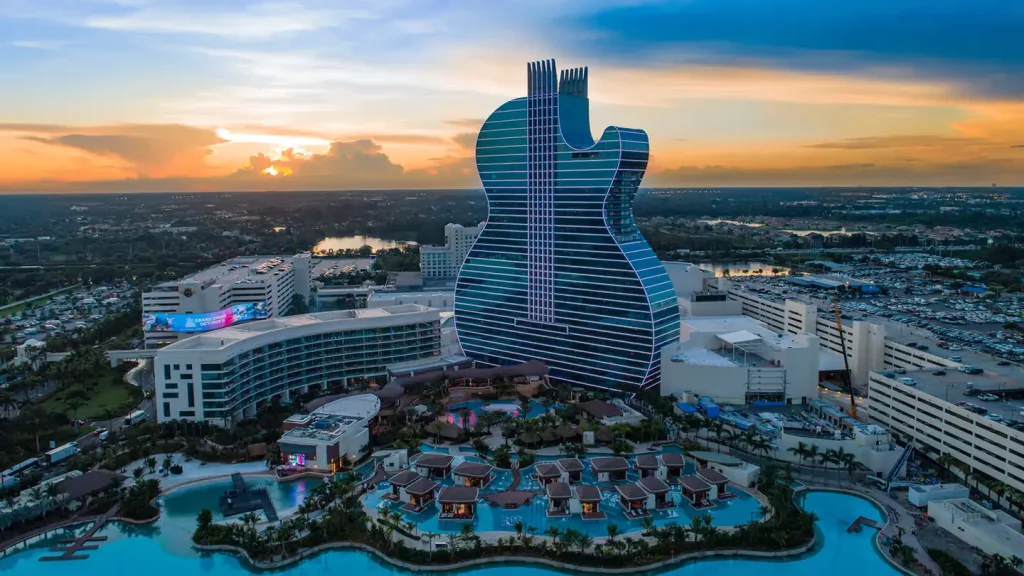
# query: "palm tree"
{"points": [[946, 461], [584, 541], [168, 462], [812, 453], [827, 458], [838, 458], [430, 537], [151, 464], [518, 527], [138, 473], [849, 461], [800, 451], [648, 526], [613, 531]]}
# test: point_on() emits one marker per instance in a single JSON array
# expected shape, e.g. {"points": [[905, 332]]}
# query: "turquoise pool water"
{"points": [[476, 407], [490, 518], [161, 552], [182, 505]]}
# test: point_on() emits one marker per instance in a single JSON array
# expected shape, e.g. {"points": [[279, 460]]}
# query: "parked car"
{"points": [[939, 373], [988, 397]]}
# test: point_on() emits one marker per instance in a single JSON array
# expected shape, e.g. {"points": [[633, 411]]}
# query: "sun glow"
{"points": [[278, 140], [274, 171]]}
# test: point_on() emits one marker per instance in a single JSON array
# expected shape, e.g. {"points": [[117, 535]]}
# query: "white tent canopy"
{"points": [[739, 337]]}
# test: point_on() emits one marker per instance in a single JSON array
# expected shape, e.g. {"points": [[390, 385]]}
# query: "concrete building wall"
{"points": [[941, 427], [445, 261]]}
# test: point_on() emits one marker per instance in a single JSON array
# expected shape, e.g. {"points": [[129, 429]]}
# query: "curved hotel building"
{"points": [[560, 272], [221, 376]]}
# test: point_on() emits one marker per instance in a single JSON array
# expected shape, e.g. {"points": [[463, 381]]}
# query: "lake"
{"points": [[743, 268], [355, 243]]}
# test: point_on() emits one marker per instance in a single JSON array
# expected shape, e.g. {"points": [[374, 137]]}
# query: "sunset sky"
{"points": [[179, 95]]}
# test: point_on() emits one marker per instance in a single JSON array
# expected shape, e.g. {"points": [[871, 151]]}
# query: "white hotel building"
{"points": [[243, 279], [222, 375], [905, 394], [444, 262]]}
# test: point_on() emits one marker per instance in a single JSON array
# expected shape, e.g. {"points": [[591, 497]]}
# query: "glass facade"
{"points": [[320, 360], [560, 272]]}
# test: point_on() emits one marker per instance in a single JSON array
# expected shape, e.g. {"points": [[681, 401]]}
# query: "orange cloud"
{"points": [[151, 150]]}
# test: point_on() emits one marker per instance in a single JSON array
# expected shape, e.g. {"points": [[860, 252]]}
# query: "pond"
{"points": [[341, 243], [754, 268]]}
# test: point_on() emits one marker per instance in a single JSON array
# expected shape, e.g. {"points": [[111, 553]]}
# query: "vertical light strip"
{"points": [[542, 128]]}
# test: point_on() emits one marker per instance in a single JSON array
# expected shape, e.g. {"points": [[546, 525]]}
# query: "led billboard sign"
{"points": [[168, 322]]}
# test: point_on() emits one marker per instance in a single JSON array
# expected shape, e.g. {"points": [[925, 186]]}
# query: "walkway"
{"points": [[82, 542], [862, 521]]}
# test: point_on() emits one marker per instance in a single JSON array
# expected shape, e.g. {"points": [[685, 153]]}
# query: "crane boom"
{"points": [[846, 361]]}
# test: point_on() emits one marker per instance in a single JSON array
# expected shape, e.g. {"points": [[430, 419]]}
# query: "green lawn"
{"points": [[9, 310], [105, 391]]}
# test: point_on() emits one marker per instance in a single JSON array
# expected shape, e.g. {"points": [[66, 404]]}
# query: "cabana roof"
{"points": [[559, 490]]}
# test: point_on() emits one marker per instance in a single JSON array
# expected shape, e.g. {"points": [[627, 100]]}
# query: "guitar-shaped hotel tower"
{"points": [[560, 272]]}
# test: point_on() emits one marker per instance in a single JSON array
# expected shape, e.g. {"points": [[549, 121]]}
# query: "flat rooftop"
{"points": [[320, 428], [236, 270], [951, 388], [725, 325], [226, 336]]}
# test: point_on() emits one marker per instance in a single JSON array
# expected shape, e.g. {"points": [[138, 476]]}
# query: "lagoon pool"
{"points": [[161, 552], [182, 505], [477, 407], [489, 518]]}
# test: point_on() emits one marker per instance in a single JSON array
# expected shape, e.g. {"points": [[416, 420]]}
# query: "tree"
{"points": [[151, 464], [574, 450], [75, 399], [812, 453], [827, 458], [621, 446], [204, 520], [800, 451], [997, 565], [138, 472]]}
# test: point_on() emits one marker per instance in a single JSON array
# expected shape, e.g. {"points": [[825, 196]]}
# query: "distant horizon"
{"points": [[480, 190], [118, 96]]}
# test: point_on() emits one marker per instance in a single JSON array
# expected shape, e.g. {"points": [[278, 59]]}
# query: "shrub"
{"points": [[950, 566], [176, 469]]}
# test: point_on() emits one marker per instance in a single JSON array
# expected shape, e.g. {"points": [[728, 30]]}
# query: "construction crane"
{"points": [[846, 361]]}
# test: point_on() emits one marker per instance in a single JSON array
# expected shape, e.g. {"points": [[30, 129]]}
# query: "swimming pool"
{"points": [[739, 510], [183, 504], [159, 553], [477, 407]]}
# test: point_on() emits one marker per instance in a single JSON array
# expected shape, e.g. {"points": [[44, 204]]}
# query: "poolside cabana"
{"points": [[458, 502], [674, 465], [590, 501], [475, 474], [559, 494], [572, 469], [604, 435], [633, 499], [696, 491], [400, 481], [657, 488], [718, 482], [647, 465], [548, 472], [609, 469], [420, 494], [433, 465]]}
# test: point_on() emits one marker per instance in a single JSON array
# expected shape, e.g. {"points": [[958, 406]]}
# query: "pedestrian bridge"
{"points": [[115, 356]]}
